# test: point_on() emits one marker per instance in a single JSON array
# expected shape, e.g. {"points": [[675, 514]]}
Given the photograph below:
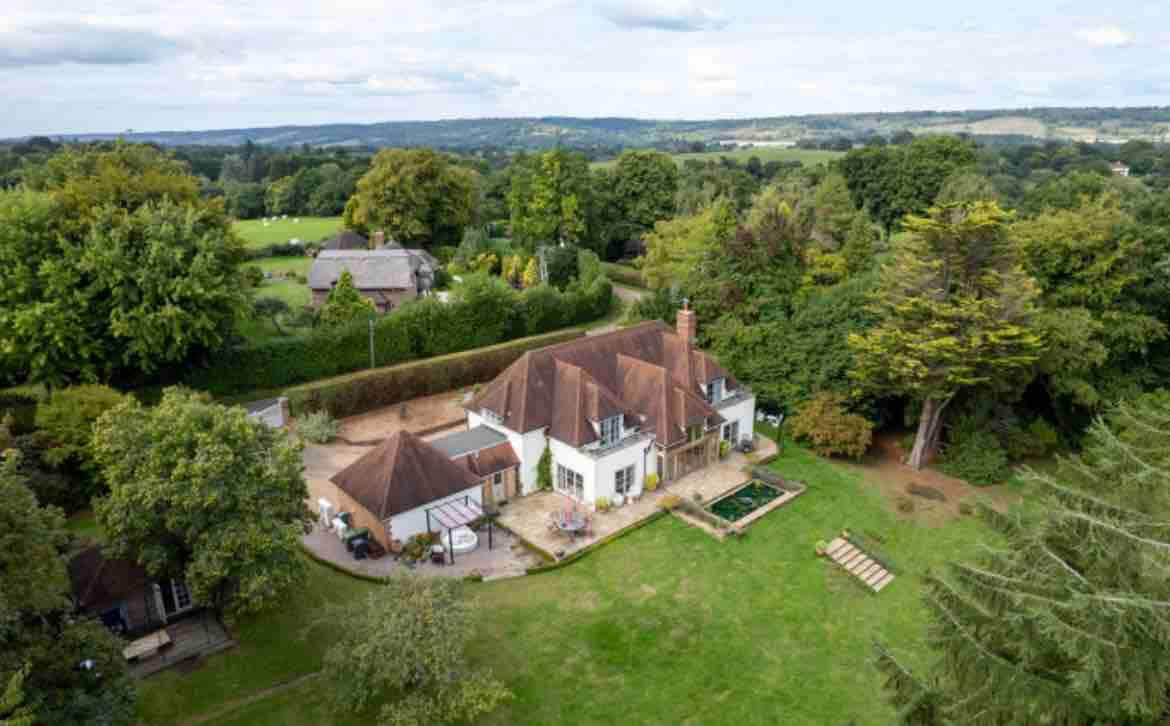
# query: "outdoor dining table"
{"points": [[571, 523]]}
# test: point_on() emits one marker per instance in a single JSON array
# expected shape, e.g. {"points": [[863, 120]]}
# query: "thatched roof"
{"points": [[383, 269]]}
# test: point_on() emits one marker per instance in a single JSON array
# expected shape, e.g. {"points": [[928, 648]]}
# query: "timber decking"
{"points": [[872, 574]]}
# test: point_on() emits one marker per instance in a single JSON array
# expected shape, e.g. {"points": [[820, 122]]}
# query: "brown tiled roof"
{"points": [[646, 372], [98, 581], [402, 473], [486, 462]]}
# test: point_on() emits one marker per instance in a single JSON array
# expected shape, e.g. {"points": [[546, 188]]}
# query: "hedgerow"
{"points": [[357, 393], [485, 312]]}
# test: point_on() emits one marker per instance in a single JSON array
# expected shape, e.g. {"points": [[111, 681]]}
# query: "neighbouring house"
{"points": [[347, 239], [122, 595], [614, 408], [611, 409], [386, 277], [1119, 169], [272, 412]]}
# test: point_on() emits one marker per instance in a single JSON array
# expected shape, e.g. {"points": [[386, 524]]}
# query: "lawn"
{"points": [[284, 265], [665, 625], [307, 229], [808, 157]]}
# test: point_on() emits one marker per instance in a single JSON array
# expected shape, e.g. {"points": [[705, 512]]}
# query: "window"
{"points": [[490, 416], [570, 482], [731, 433], [611, 430], [498, 478], [623, 480], [694, 432], [715, 390]]}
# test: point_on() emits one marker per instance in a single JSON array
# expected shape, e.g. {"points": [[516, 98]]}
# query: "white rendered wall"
{"points": [[528, 448], [607, 466], [407, 524], [745, 413]]}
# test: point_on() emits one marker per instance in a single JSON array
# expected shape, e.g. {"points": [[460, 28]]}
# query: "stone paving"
{"points": [[508, 557], [528, 516]]}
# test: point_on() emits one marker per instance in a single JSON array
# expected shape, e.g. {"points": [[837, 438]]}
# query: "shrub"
{"points": [[356, 393], [670, 502], [977, 458], [905, 505], [966, 508], [651, 482], [345, 304], [253, 276], [444, 254], [419, 546], [829, 428], [724, 449], [544, 469], [623, 274], [21, 409], [1037, 439], [318, 427], [67, 418], [601, 504]]}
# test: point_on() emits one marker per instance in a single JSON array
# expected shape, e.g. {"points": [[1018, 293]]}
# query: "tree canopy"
{"points": [[202, 492], [1064, 618], [345, 304], [118, 267], [955, 310], [419, 197], [406, 642]]}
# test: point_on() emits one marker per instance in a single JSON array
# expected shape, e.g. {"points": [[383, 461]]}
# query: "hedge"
{"points": [[624, 274], [360, 392], [488, 312]]}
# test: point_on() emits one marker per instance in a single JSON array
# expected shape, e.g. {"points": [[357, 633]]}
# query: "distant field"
{"points": [[307, 229], [299, 265], [808, 157]]}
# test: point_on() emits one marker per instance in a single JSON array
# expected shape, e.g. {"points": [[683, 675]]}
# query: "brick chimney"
{"points": [[686, 323], [379, 238]]}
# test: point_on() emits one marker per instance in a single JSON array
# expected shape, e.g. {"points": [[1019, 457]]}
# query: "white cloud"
{"points": [[674, 15], [1106, 36]]}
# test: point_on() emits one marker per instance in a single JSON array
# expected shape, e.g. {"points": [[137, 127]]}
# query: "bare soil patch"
{"points": [[927, 496], [415, 415]]}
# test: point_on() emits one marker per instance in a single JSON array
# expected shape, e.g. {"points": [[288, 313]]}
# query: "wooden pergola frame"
{"points": [[453, 514]]}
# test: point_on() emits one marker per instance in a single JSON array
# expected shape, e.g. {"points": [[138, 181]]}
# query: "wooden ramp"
{"points": [[858, 564]]}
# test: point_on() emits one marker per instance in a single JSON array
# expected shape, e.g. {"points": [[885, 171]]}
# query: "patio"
{"points": [[529, 516], [507, 558]]}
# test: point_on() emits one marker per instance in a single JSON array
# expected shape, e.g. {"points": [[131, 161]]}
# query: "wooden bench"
{"points": [[147, 645]]}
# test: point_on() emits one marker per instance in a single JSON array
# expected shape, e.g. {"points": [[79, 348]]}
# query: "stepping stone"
{"points": [[844, 552], [875, 577], [858, 557], [869, 571], [883, 582], [860, 566], [835, 546]]}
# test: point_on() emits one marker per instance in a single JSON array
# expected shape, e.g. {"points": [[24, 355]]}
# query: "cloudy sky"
{"points": [[111, 65]]}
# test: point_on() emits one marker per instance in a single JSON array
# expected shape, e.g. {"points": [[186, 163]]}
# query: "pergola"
{"points": [[452, 514]]}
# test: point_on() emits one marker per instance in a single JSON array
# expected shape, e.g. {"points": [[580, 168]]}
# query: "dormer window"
{"points": [[490, 416], [715, 390], [611, 430]]}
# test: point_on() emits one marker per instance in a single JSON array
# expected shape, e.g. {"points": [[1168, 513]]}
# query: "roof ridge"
{"points": [[397, 440]]}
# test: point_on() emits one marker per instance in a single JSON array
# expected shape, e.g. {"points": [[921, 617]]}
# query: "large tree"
{"points": [[419, 197], [39, 638], [892, 181], [551, 199], [1098, 273], [644, 186], [112, 267], [1065, 619], [405, 645], [201, 492], [955, 310]]}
